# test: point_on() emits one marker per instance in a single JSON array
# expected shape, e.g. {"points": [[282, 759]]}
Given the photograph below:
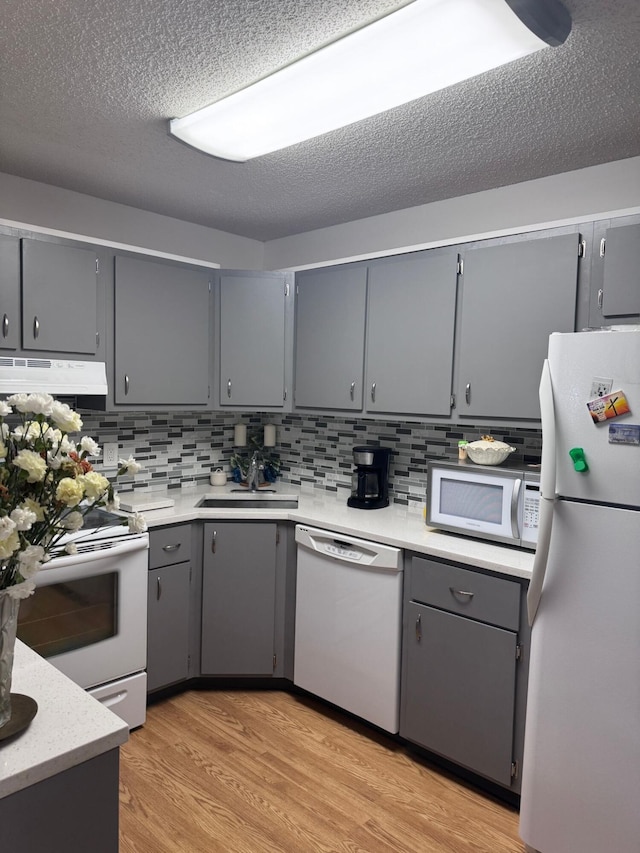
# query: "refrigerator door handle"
{"points": [[547, 491]]}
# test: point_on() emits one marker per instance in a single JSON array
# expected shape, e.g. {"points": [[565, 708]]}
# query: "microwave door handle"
{"points": [[515, 500]]}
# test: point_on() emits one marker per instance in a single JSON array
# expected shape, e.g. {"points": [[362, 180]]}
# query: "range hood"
{"points": [[52, 376]]}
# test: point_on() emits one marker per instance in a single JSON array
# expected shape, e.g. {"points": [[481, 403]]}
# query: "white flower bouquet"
{"points": [[47, 486]]}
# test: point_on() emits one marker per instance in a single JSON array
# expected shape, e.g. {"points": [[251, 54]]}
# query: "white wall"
{"points": [[569, 197], [53, 209]]}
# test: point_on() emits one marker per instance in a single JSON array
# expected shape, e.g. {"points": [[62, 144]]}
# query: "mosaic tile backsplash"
{"points": [[180, 450]]}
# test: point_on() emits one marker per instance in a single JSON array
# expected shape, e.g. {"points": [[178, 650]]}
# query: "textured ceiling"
{"points": [[87, 86]]}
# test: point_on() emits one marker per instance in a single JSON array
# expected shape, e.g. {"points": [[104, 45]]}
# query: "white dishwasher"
{"points": [[348, 623]]}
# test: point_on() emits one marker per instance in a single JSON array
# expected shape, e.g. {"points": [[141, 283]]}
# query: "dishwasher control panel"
{"points": [[338, 549]]}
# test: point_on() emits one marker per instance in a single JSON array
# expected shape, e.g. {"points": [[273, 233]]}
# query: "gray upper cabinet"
{"points": [[252, 314], [410, 333], [330, 327], [162, 322], [59, 298], [615, 272], [9, 292], [514, 295]]}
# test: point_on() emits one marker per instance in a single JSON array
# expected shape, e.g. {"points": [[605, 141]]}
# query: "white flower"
{"points": [[129, 465], [37, 404], [33, 464], [55, 460], [71, 548], [89, 446], [137, 523], [7, 526], [114, 504], [73, 521], [23, 518], [5, 409], [65, 418], [21, 590], [66, 446], [9, 545], [30, 560]]}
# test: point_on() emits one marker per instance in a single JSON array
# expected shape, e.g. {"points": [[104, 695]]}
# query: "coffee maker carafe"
{"points": [[370, 480]]}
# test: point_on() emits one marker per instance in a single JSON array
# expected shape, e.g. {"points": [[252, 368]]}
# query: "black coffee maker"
{"points": [[370, 480]]}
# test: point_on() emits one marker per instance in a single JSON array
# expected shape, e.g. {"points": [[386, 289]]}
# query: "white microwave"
{"points": [[501, 504]]}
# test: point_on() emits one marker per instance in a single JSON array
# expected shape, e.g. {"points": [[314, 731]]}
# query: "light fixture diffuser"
{"points": [[422, 47]]}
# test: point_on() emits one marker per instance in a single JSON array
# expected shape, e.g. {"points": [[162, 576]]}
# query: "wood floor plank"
{"points": [[273, 772]]}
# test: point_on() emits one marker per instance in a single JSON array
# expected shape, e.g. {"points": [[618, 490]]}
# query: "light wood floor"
{"points": [[257, 771]]}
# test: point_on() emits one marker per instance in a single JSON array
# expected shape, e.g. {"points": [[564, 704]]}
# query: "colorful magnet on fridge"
{"points": [[579, 462], [610, 406]]}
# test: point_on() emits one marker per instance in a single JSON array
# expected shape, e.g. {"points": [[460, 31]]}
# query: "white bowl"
{"points": [[487, 453]]}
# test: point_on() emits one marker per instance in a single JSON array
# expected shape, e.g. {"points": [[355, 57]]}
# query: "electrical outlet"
{"points": [[110, 454]]}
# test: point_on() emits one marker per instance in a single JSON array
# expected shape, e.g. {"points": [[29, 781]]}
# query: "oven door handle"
{"points": [[83, 557]]}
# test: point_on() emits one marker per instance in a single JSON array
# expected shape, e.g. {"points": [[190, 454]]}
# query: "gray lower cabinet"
{"points": [[514, 295], [59, 298], [329, 345], [253, 338], [411, 307], [463, 680], [239, 577], [615, 272], [162, 333], [9, 292], [169, 595]]}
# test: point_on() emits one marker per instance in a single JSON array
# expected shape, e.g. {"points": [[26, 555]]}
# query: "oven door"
{"points": [[88, 615]]}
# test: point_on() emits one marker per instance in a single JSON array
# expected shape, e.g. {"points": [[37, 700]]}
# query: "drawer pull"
{"points": [[462, 592], [169, 548], [419, 628]]}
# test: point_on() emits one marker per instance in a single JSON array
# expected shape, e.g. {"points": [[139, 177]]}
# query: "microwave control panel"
{"points": [[531, 512]]}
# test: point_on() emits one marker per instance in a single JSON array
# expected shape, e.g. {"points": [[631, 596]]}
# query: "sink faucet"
{"points": [[253, 476]]}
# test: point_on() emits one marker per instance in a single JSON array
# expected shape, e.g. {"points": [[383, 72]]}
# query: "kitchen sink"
{"points": [[258, 500]]}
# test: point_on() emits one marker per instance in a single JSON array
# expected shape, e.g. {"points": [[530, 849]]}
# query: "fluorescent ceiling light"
{"points": [[418, 49]]}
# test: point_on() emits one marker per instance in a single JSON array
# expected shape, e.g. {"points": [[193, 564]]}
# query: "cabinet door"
{"points": [[168, 625], [9, 292], [514, 295], [238, 598], [330, 323], [458, 696], [161, 333], [252, 339], [615, 272], [59, 298], [411, 315]]}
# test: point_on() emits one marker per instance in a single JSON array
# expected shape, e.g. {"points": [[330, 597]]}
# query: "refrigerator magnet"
{"points": [[610, 406], [624, 434]]}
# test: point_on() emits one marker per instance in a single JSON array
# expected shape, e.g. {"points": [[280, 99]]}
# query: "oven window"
{"points": [[475, 501], [66, 616]]}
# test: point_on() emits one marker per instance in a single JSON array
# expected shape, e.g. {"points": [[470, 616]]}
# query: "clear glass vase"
{"points": [[9, 606]]}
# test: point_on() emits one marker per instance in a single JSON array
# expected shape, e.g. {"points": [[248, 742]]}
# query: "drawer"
{"points": [[465, 592], [169, 545]]}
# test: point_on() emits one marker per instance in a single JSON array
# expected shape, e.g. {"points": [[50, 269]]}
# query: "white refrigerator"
{"points": [[581, 764]]}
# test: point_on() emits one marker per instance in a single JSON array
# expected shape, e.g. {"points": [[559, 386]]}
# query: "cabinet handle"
{"points": [[158, 589], [603, 243], [467, 393], [5, 326], [600, 298], [169, 548], [213, 541], [419, 628], [461, 592], [126, 383], [228, 388], [36, 327], [373, 392], [352, 390]]}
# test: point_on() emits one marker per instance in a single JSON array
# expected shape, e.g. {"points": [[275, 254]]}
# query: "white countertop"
{"points": [[70, 726], [393, 525]]}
